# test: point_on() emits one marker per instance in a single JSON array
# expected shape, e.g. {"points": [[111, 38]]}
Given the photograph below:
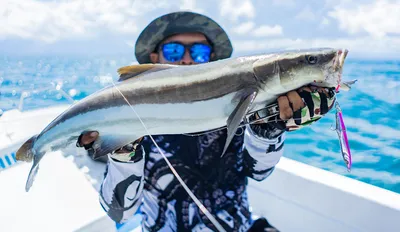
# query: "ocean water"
{"points": [[371, 109]]}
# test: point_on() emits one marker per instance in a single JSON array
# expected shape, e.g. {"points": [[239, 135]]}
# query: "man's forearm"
{"points": [[263, 150], [121, 190]]}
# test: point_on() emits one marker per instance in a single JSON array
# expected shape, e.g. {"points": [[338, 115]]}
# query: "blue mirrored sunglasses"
{"points": [[175, 51]]}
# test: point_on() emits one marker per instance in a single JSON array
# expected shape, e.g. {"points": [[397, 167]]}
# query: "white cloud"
{"points": [[306, 14], [325, 21], [378, 18], [51, 21], [287, 3], [344, 3], [260, 31], [379, 48], [233, 9], [259, 46], [244, 28], [265, 31], [190, 5]]}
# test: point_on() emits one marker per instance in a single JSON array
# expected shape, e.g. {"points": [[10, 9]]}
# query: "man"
{"points": [[137, 176]]}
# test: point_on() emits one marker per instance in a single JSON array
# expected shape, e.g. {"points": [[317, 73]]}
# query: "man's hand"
{"points": [[288, 104], [304, 106], [87, 138], [123, 154], [300, 108]]}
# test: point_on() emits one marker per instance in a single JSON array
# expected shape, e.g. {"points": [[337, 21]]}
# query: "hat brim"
{"points": [[182, 22]]}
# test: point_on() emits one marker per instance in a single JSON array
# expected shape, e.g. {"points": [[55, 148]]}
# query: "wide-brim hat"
{"points": [[182, 22]]}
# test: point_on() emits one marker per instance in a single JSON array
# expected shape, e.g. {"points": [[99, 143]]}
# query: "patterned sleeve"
{"points": [[263, 149], [264, 142], [121, 190]]}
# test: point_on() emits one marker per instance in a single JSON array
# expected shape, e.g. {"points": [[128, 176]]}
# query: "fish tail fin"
{"points": [[25, 152]]}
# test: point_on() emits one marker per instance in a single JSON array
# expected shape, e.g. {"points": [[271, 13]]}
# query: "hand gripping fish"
{"points": [[174, 99]]}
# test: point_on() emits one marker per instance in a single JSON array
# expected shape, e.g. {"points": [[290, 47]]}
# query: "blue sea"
{"points": [[371, 109]]}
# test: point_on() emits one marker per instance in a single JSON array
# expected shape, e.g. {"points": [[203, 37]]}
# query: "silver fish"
{"points": [[174, 99]]}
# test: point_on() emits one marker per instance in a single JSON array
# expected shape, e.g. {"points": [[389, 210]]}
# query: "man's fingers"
{"points": [[323, 90], [89, 137], [319, 89], [285, 112], [306, 88], [295, 99]]}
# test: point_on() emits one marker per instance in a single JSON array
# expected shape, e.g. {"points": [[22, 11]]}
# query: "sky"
{"points": [[368, 29]]}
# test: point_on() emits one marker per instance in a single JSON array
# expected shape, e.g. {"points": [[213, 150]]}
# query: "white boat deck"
{"points": [[299, 197], [296, 197], [61, 199]]}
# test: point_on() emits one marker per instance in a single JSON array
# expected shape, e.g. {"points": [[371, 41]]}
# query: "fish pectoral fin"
{"points": [[131, 71], [106, 144], [237, 116]]}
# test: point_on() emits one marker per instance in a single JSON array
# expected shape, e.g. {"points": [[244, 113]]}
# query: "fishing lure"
{"points": [[342, 134], [273, 111]]}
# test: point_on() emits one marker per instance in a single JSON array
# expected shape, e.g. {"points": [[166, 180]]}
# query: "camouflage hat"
{"points": [[182, 22]]}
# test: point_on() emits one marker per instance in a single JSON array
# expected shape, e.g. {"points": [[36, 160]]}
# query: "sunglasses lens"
{"points": [[200, 53], [173, 51]]}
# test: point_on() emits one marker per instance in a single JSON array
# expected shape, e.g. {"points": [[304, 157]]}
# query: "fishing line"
{"points": [[194, 198]]}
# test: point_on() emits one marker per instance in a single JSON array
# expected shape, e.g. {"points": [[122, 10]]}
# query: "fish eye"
{"points": [[311, 59]]}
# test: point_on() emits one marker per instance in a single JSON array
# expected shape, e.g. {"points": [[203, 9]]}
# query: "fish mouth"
{"points": [[339, 59], [338, 65]]}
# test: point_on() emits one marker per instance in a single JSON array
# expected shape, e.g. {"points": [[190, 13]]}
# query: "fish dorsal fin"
{"points": [[130, 71]]}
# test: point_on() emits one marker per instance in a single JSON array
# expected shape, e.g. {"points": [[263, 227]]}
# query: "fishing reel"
{"points": [[267, 114]]}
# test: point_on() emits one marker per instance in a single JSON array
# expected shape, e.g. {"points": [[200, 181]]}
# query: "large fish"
{"points": [[174, 99]]}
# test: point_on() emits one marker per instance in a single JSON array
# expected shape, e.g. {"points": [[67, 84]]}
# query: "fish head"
{"points": [[292, 69]]}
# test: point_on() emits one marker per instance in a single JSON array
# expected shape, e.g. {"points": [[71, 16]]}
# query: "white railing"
{"points": [[54, 86]]}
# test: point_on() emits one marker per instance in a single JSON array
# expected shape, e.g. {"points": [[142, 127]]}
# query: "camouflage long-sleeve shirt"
{"points": [[146, 183]]}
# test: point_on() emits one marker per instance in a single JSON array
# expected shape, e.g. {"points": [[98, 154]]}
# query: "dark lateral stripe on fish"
{"points": [[195, 91], [192, 92]]}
